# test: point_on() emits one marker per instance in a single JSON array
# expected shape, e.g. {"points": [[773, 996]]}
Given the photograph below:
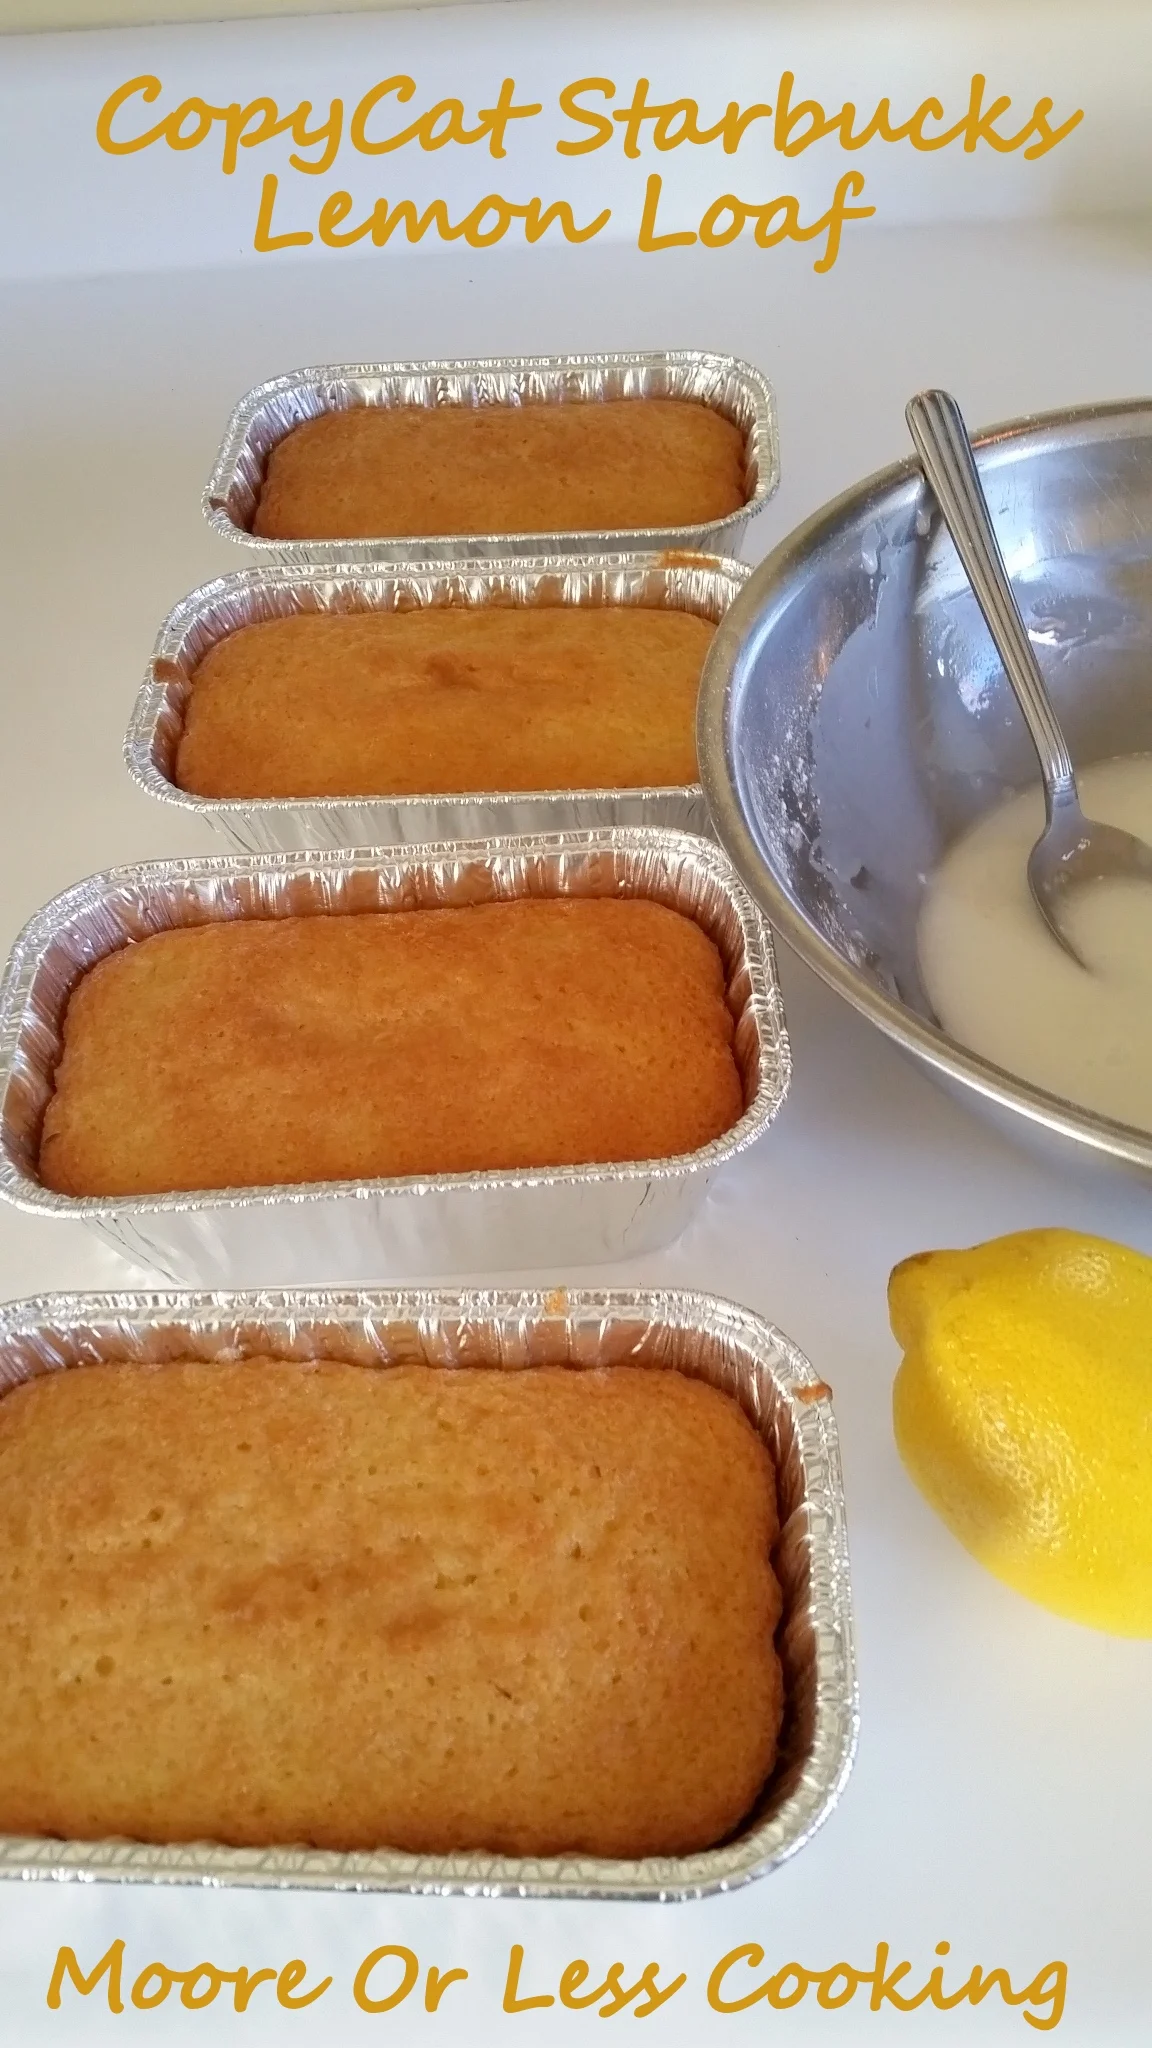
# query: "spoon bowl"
{"points": [[1072, 850], [855, 723]]}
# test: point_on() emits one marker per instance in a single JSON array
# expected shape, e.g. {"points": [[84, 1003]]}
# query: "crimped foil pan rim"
{"points": [[149, 779], [414, 546], [836, 1717], [765, 1003], [138, 739]]}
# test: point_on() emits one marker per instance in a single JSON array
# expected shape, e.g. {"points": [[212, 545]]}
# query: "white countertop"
{"points": [[1002, 1798]]}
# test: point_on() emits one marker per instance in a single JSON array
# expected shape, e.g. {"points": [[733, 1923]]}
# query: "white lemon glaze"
{"points": [[1002, 986]]}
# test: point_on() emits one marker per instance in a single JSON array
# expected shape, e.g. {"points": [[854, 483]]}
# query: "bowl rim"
{"points": [[766, 593]]}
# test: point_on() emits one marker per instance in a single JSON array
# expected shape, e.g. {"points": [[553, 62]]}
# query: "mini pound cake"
{"points": [[258, 1052], [433, 1610], [386, 471], [448, 698]]}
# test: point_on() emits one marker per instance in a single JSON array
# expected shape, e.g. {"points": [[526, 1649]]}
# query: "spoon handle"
{"points": [[945, 452]]}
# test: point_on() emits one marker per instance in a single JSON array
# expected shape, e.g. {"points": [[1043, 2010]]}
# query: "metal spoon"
{"points": [[1072, 849]]}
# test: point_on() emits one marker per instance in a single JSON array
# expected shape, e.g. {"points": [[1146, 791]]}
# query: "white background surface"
{"points": [[38, 15], [1002, 1799]]}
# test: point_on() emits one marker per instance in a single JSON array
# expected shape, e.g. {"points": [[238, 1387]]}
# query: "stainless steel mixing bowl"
{"points": [[854, 718]]}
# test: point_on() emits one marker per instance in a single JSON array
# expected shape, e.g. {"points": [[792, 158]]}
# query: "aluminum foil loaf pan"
{"points": [[671, 1332], [365, 1231], [701, 584], [271, 410]]}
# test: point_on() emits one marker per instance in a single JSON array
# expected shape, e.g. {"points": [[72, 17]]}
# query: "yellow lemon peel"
{"points": [[1023, 1412]]}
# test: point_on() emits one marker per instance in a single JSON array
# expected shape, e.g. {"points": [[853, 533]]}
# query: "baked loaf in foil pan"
{"points": [[694, 1334], [700, 585], [460, 1223], [733, 390]]}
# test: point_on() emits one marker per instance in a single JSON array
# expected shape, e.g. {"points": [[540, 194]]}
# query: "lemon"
{"points": [[1023, 1411]]}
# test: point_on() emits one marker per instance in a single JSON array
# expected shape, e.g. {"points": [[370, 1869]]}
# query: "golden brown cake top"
{"points": [[259, 1052], [444, 699], [390, 471], [437, 1610]]}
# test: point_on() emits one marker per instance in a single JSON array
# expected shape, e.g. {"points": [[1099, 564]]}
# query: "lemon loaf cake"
{"points": [[447, 698], [388, 471], [255, 1052], [429, 1609]]}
